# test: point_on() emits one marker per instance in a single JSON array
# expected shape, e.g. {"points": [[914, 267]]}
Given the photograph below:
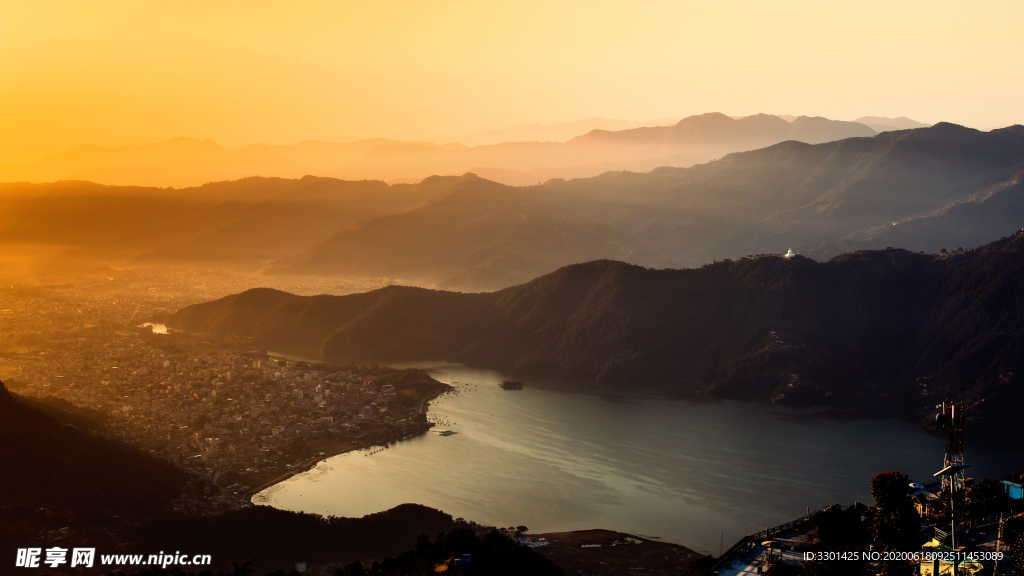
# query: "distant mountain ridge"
{"points": [[191, 162], [878, 331], [821, 200], [244, 221], [557, 132], [744, 133], [885, 124]]}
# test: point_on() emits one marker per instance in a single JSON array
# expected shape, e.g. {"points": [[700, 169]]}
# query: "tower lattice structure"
{"points": [[951, 418]]}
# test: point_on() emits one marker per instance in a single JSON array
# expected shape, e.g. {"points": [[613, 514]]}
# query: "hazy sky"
{"points": [[111, 72]]}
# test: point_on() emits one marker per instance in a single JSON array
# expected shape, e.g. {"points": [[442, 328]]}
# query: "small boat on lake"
{"points": [[512, 385]]}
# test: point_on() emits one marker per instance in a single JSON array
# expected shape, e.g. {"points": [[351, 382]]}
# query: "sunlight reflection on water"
{"points": [[686, 472]]}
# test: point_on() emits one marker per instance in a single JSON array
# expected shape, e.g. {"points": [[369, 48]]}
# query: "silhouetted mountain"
{"points": [[53, 461], [884, 124], [188, 162], [817, 199], [884, 331], [58, 474]]}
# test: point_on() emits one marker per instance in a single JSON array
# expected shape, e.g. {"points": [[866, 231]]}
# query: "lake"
{"points": [[694, 473], [155, 327]]}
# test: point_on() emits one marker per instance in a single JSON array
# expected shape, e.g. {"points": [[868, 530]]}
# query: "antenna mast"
{"points": [[951, 418]]}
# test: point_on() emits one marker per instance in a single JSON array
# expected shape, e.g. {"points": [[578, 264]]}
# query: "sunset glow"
{"points": [[121, 73]]}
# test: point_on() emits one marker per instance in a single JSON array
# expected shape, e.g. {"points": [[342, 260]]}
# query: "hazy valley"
{"points": [[926, 189]]}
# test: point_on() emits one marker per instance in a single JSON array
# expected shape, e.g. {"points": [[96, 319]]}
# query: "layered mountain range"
{"points": [[927, 189], [924, 189], [880, 331], [190, 162]]}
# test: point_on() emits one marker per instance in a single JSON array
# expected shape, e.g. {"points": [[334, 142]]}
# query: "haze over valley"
{"points": [[924, 189], [519, 288]]}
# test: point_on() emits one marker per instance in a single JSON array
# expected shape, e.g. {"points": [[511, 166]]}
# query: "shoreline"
{"points": [[563, 383], [310, 463], [347, 445]]}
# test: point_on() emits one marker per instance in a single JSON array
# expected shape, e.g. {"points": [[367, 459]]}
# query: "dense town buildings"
{"points": [[239, 417]]}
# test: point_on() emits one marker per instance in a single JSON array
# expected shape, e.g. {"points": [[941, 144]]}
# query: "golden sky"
{"points": [[121, 72]]}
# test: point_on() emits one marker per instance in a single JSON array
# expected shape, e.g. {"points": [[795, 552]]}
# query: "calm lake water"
{"points": [[692, 473], [155, 327]]}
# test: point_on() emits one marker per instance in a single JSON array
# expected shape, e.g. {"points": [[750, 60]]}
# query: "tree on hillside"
{"points": [[985, 498], [840, 530], [896, 523]]}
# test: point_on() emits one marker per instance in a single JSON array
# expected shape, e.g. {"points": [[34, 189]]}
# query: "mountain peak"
{"points": [[950, 126], [599, 266], [943, 131], [706, 117], [467, 177], [887, 124], [1012, 129]]}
